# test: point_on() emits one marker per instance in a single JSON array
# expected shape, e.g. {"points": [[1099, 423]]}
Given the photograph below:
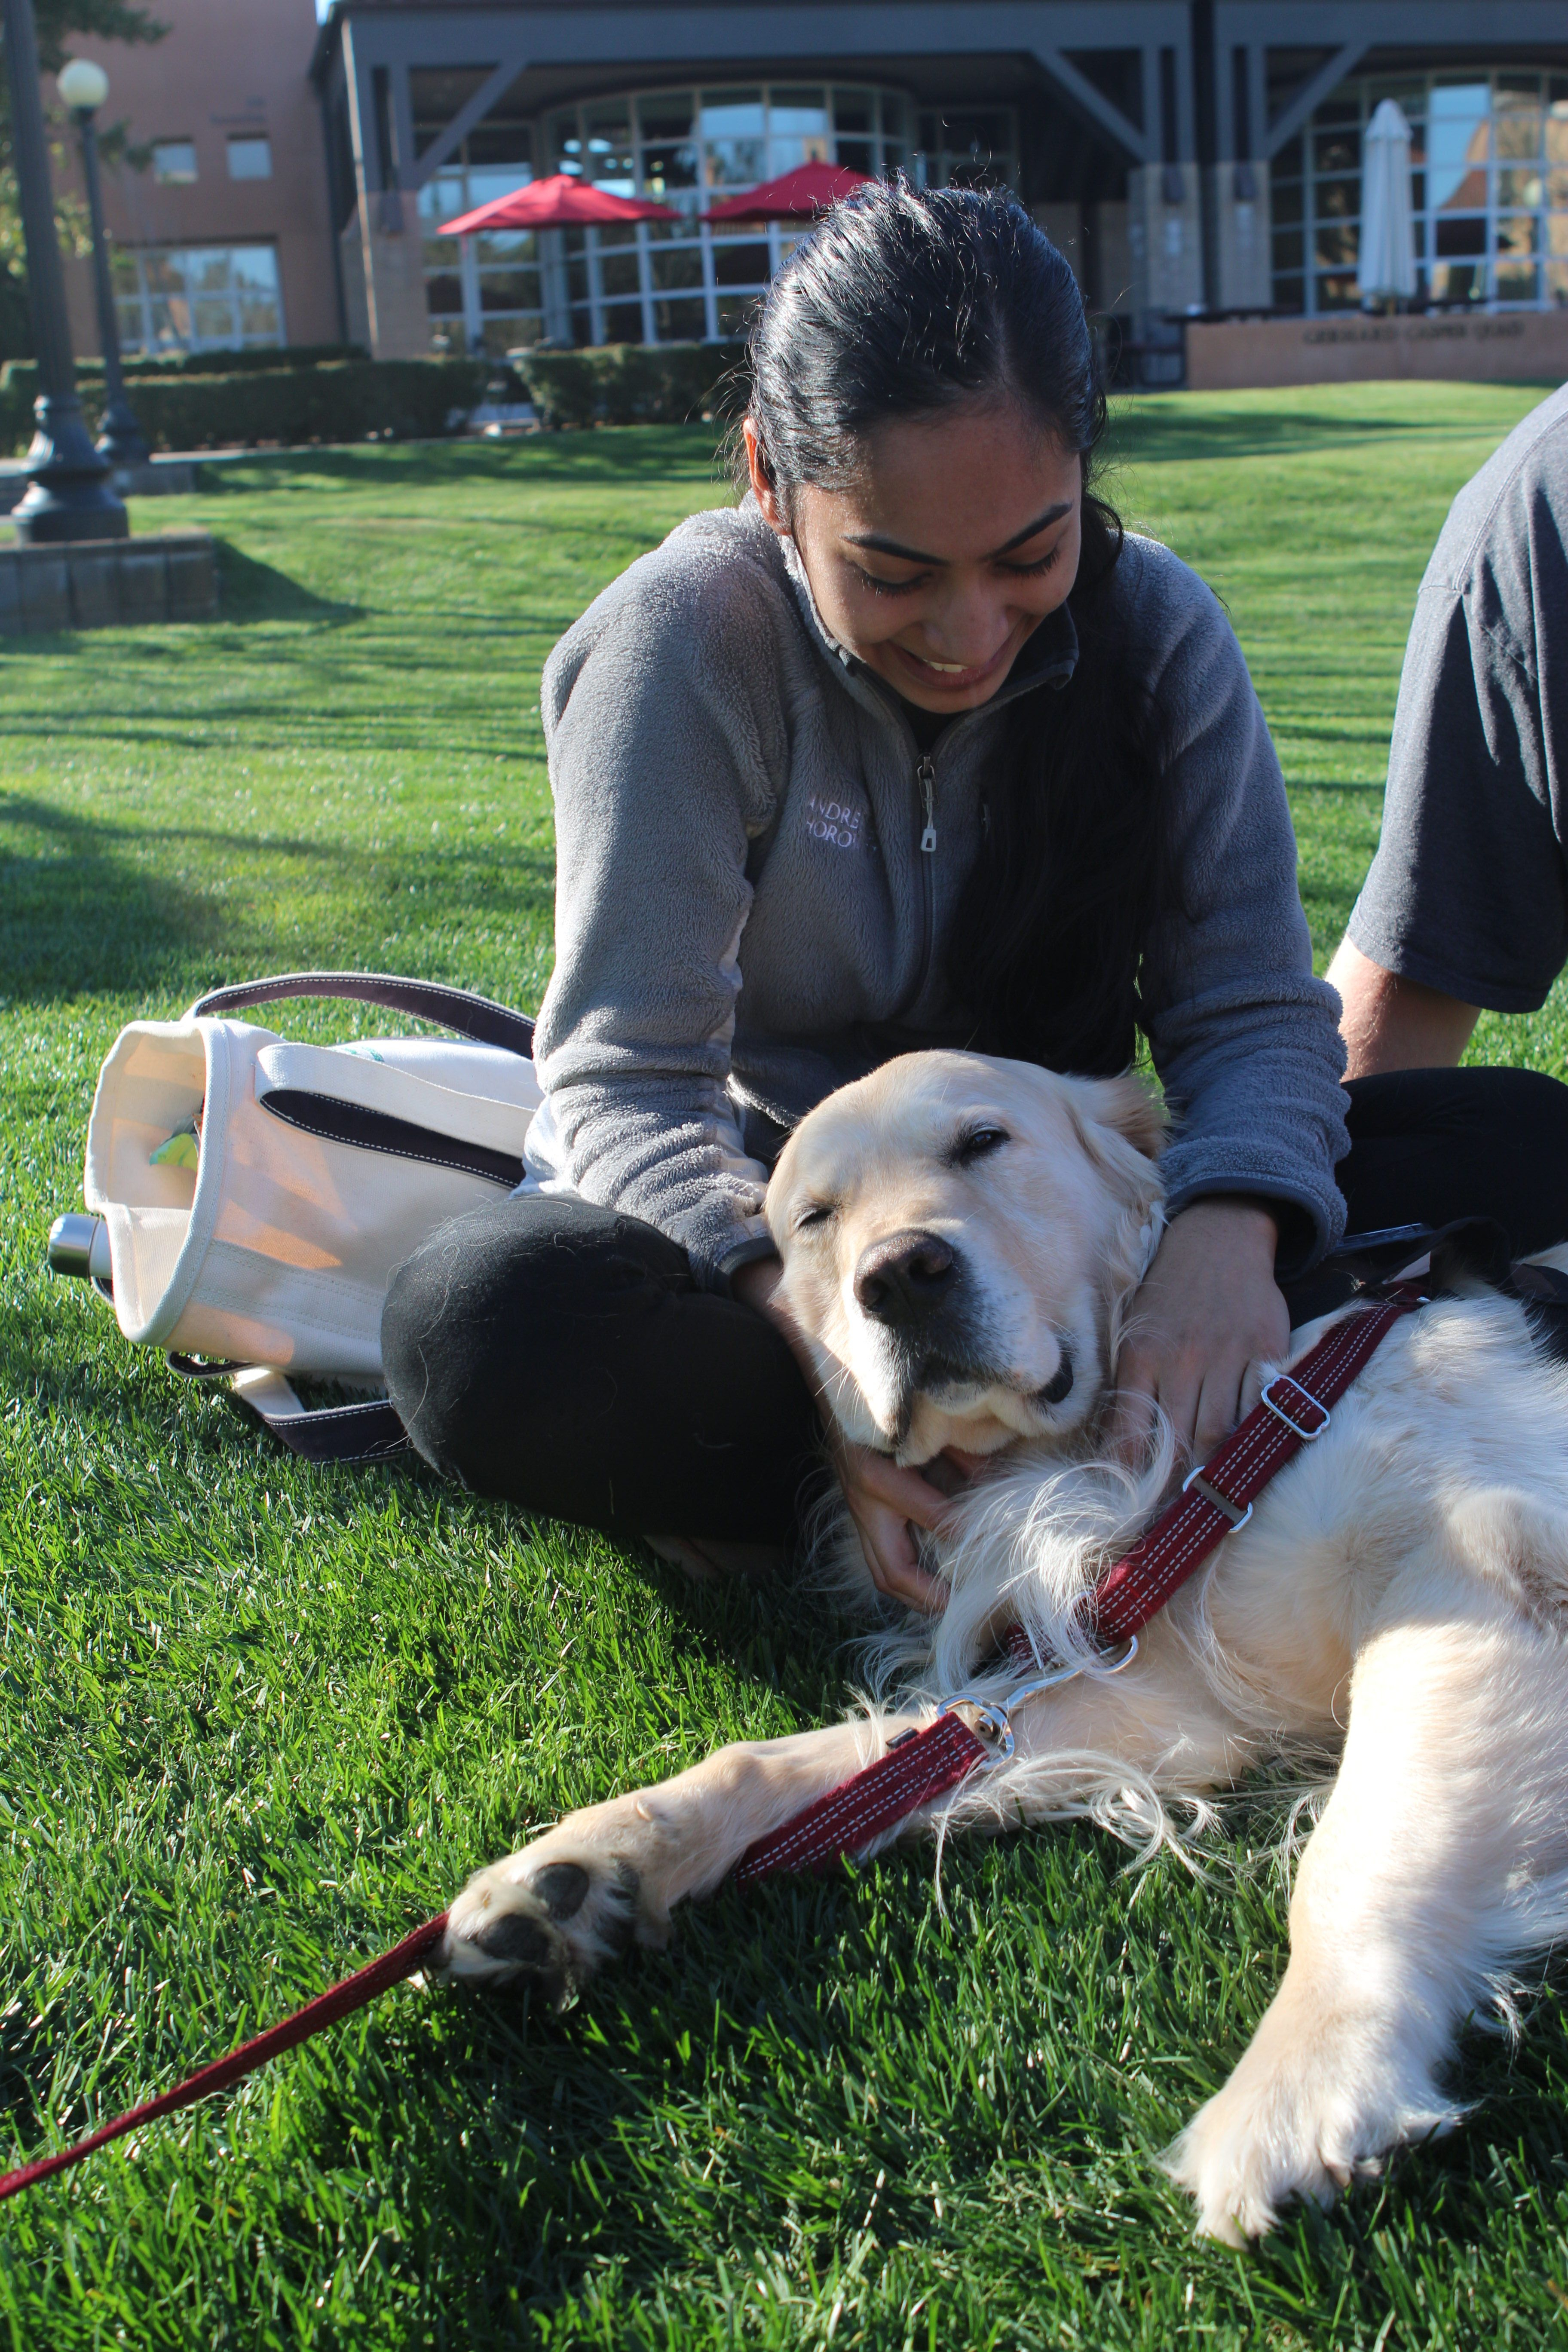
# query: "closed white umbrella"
{"points": [[1386, 272]]}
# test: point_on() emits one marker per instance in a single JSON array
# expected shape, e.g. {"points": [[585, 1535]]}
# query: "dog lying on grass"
{"points": [[962, 1238]]}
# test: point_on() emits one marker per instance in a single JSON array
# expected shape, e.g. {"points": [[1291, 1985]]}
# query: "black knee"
{"points": [[498, 1316], [563, 1357]]}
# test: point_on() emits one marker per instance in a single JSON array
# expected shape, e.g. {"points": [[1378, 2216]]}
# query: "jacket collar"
{"points": [[1048, 659]]}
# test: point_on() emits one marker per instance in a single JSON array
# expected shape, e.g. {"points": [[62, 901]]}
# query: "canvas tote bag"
{"points": [[256, 1195]]}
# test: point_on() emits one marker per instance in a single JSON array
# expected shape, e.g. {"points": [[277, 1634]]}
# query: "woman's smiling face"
{"points": [[937, 566]]}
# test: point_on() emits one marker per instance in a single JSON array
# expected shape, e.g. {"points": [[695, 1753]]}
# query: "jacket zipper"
{"points": [[925, 776]]}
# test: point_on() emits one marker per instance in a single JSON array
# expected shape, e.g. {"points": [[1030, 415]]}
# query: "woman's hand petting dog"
{"points": [[883, 1500], [1207, 1315]]}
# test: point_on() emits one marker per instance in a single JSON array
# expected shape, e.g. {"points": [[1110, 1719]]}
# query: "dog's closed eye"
{"points": [[976, 1143], [814, 1213]]}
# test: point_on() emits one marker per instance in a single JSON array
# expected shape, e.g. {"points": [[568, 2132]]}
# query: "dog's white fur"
{"points": [[1401, 1597]]}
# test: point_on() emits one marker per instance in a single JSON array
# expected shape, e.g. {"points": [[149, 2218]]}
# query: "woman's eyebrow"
{"points": [[881, 546]]}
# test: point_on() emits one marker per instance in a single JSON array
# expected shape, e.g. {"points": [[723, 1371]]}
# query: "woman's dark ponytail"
{"points": [[905, 302]]}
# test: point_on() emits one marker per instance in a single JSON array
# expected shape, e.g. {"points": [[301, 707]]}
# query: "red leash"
{"points": [[922, 1765], [325, 2009], [1215, 1502]]}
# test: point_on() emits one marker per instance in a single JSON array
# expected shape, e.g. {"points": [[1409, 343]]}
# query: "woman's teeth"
{"points": [[952, 669]]}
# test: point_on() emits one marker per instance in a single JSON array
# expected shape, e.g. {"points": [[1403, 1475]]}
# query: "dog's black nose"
{"points": [[905, 1277]]}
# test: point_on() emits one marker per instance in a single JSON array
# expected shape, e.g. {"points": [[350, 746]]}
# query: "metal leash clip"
{"points": [[994, 1715]]}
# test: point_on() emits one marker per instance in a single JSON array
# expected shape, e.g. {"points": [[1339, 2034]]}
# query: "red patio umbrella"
{"points": [[556, 202], [800, 195]]}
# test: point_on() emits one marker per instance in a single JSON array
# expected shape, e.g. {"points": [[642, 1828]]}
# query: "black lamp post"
{"points": [[84, 87], [71, 497]]}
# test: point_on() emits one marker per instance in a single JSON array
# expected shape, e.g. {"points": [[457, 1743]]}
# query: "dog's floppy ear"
{"points": [[1130, 1105]]}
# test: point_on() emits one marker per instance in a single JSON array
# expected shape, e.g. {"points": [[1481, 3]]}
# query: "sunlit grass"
{"points": [[256, 1720]]}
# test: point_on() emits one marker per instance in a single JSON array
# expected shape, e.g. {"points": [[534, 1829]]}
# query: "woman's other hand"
{"points": [[1208, 1314], [883, 1500]]}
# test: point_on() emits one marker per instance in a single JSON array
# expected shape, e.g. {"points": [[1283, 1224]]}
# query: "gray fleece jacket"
{"points": [[757, 873]]}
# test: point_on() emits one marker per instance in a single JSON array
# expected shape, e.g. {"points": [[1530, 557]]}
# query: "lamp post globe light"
{"points": [[84, 87], [70, 495]]}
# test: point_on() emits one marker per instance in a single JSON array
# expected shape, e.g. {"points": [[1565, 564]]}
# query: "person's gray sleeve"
{"points": [[662, 748], [1467, 891], [1244, 1040]]}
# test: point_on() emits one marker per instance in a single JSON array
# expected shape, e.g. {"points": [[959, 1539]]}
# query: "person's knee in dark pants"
{"points": [[561, 1356]]}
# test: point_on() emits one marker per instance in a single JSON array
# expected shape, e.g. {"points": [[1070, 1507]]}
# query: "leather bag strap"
{"points": [[336, 1122], [371, 1431], [479, 1017]]}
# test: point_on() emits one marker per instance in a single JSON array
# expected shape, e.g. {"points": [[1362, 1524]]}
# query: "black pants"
{"points": [[563, 1357]]}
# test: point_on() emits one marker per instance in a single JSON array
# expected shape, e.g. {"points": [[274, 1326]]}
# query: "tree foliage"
{"points": [[59, 22]]}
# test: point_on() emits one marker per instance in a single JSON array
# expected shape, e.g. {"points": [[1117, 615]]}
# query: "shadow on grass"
{"points": [[252, 591], [81, 910], [1159, 436], [607, 456]]}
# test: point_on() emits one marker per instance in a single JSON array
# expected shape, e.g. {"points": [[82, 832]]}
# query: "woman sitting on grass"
{"points": [[914, 748]]}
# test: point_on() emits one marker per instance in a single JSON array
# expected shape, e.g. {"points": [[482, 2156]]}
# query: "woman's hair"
{"points": [[907, 302]]}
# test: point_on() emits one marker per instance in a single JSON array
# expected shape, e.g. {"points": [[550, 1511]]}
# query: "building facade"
{"points": [[1192, 157], [220, 229]]}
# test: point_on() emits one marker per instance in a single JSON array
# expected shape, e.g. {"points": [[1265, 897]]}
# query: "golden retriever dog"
{"points": [[961, 1239]]}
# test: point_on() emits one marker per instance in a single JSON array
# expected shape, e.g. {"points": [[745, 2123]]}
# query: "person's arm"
{"points": [[1391, 1023], [665, 735], [1466, 904]]}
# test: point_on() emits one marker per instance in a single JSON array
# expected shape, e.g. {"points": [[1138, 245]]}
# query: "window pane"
{"points": [[207, 270], [129, 315], [250, 159], [1461, 236], [1557, 284], [1457, 281], [669, 149], [1516, 128], [1336, 151], [508, 289], [679, 323], [1520, 186], [254, 266], [736, 312], [675, 267], [1518, 234], [856, 154], [1337, 199], [173, 160], [798, 114], [443, 293], [563, 143], [1557, 133], [214, 321], [1516, 282], [1335, 246], [1459, 142], [496, 180], [608, 159], [171, 324], [258, 320], [740, 264], [1288, 249], [508, 245], [618, 273], [855, 111]]}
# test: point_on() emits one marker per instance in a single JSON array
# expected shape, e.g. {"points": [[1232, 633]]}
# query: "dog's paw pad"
{"points": [[561, 1887], [557, 1922]]}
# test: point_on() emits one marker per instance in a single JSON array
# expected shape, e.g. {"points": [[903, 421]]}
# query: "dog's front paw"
{"points": [[554, 1913], [1301, 2121]]}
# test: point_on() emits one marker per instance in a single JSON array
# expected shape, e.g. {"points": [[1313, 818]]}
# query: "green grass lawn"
{"points": [[255, 1720]]}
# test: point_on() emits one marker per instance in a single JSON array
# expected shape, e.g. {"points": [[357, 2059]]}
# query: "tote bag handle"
{"points": [[479, 1017]]}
